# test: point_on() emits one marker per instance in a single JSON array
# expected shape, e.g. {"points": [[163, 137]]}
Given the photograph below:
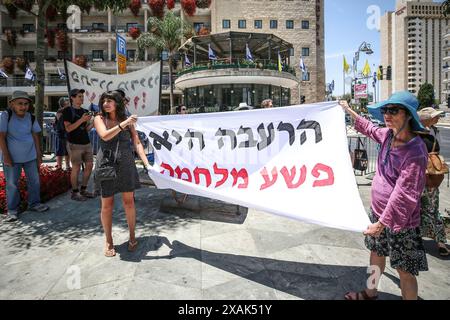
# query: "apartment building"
{"points": [[93, 35], [413, 44]]}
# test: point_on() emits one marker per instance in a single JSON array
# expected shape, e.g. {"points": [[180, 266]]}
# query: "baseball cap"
{"points": [[74, 92], [429, 113], [20, 95]]}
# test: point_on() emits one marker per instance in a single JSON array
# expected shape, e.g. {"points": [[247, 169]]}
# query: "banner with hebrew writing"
{"points": [[141, 87], [291, 161]]}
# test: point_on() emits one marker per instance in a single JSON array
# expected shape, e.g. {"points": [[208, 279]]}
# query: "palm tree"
{"points": [[446, 7], [164, 35]]}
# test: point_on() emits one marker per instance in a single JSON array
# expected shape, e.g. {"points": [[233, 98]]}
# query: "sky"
{"points": [[349, 23]]}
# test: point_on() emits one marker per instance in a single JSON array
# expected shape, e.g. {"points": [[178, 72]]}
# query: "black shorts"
{"points": [[61, 149]]}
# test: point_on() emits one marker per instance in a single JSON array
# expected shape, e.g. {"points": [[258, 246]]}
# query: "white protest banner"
{"points": [[292, 161], [141, 87]]}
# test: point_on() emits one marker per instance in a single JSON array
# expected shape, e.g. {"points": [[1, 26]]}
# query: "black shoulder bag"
{"points": [[105, 170]]}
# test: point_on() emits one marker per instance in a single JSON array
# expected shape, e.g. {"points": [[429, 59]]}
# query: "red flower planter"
{"points": [[134, 32], [53, 183], [157, 7], [189, 7], [170, 4], [134, 6]]}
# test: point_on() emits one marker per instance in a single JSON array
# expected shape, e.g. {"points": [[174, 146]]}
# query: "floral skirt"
{"points": [[432, 225], [405, 248]]}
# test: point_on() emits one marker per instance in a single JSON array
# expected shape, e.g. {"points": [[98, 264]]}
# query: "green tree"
{"points": [[39, 10], [165, 35], [426, 95], [446, 7]]}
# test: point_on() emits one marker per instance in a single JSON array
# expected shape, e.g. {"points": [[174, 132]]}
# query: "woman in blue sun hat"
{"points": [[396, 191]]}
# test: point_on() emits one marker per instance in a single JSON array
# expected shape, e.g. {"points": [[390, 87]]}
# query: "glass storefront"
{"points": [[227, 97]]}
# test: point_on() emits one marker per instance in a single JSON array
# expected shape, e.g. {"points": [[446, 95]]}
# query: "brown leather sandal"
{"points": [[362, 295], [132, 246], [109, 252]]}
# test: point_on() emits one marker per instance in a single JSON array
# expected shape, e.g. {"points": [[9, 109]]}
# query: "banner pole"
{"points": [[66, 70], [160, 83]]}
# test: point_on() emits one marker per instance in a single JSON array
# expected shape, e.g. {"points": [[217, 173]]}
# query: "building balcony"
{"points": [[225, 73]]}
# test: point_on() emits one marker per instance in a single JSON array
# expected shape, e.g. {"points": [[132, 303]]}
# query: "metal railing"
{"points": [[226, 63]]}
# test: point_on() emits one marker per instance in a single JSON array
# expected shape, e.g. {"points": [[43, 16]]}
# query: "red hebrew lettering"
{"points": [[223, 172], [243, 174], [268, 182], [329, 181], [198, 171], [289, 177], [180, 173], [168, 168]]}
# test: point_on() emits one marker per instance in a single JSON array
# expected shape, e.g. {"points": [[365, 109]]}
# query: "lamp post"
{"points": [[366, 48]]}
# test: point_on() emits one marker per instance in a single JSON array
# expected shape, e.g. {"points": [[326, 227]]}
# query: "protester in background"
{"points": [[61, 142], [77, 125], [268, 103], [396, 190], [19, 143], [115, 130], [181, 110], [432, 224]]}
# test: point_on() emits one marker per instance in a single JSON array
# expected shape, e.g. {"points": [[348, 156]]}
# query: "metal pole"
{"points": [[160, 83]]}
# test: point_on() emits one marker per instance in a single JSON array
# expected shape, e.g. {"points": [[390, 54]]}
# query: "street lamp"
{"points": [[364, 47]]}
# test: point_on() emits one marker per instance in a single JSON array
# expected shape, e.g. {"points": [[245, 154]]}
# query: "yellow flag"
{"points": [[366, 71], [379, 74], [280, 67], [346, 66]]}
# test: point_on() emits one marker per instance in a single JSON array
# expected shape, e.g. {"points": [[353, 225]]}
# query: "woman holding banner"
{"points": [[396, 191], [115, 131]]}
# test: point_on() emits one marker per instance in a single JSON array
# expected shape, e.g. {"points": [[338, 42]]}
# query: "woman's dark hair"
{"points": [[120, 107], [178, 109]]}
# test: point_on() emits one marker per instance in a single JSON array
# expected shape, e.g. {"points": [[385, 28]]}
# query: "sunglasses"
{"points": [[391, 110]]}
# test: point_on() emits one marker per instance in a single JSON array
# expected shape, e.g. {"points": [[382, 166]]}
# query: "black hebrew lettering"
{"points": [[251, 142], [177, 136], [75, 76], [94, 80], [226, 133], [133, 82], [265, 140], [101, 83], [289, 128], [125, 83], [87, 80], [195, 135], [310, 125], [159, 141], [150, 82], [156, 81], [107, 86], [143, 82]]}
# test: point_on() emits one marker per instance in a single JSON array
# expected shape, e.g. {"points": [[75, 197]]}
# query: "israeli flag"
{"points": [[187, 62], [303, 66], [332, 86], [29, 74], [62, 76], [248, 54], [211, 54], [3, 74]]}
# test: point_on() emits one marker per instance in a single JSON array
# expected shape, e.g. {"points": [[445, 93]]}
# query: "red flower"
{"points": [[134, 32], [134, 6], [170, 4], [157, 7], [188, 7]]}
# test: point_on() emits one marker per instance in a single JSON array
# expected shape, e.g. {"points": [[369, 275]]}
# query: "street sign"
{"points": [[121, 64], [361, 91], [121, 48]]}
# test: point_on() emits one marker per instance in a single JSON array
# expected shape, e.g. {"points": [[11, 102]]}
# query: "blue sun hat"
{"points": [[404, 98]]}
